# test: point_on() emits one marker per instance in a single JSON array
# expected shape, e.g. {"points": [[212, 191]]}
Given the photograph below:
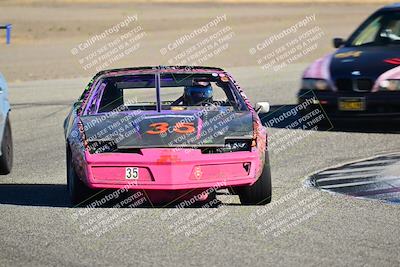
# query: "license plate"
{"points": [[352, 104], [131, 173]]}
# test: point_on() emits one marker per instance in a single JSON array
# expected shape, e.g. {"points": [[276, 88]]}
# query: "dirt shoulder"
{"points": [[45, 32]]}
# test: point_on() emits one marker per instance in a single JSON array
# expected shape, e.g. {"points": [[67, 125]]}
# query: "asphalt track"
{"points": [[38, 228]]}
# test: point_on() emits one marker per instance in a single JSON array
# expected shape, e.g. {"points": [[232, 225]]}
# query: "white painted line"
{"points": [[340, 177], [368, 173], [353, 170], [357, 183], [371, 162]]}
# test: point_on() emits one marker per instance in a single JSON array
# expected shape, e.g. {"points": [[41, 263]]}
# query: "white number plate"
{"points": [[131, 173]]}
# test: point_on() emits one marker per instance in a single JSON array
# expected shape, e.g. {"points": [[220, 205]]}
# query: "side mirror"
{"points": [[77, 103], [338, 42], [262, 107]]}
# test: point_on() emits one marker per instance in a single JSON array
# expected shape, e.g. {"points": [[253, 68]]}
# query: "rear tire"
{"points": [[260, 192], [78, 191], [6, 158]]}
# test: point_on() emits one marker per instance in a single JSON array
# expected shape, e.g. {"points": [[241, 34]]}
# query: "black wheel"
{"points": [[78, 191], [232, 190], [6, 158], [261, 191]]}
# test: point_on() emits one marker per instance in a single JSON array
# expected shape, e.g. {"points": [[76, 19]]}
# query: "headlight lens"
{"points": [[315, 84], [390, 85], [238, 146], [235, 145], [96, 147]]}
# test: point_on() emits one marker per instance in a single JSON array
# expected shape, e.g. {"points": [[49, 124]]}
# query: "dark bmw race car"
{"points": [[171, 131], [362, 78]]}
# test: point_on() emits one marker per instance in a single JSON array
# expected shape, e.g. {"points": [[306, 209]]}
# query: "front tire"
{"points": [[6, 158], [260, 192], [78, 191]]}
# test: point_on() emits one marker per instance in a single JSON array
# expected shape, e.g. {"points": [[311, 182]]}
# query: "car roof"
{"points": [[161, 69], [391, 7]]}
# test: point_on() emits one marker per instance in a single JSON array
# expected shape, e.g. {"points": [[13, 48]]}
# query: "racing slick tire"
{"points": [[260, 192], [77, 190], [6, 158]]}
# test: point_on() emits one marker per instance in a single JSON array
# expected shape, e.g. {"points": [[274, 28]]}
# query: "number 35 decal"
{"points": [[180, 127]]}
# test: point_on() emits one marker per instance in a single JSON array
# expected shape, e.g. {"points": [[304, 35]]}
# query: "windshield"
{"points": [[177, 92], [380, 29]]}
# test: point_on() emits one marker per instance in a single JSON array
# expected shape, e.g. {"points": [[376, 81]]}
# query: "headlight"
{"points": [[96, 147], [390, 85], [230, 146], [315, 84], [234, 146]]}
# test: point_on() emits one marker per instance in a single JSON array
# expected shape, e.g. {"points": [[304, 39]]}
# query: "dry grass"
{"points": [[44, 32]]}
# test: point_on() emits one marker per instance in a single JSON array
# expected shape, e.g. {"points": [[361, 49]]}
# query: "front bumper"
{"points": [[377, 104], [172, 169]]}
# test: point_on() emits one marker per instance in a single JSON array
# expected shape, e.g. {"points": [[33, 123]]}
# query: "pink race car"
{"points": [[169, 131]]}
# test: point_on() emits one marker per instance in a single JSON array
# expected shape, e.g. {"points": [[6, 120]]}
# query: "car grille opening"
{"points": [[344, 84], [359, 85], [364, 85]]}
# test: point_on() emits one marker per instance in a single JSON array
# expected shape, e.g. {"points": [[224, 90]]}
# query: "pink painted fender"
{"points": [[319, 69]]}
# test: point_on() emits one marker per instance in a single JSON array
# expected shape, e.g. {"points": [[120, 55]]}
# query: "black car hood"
{"points": [[364, 62], [131, 131]]}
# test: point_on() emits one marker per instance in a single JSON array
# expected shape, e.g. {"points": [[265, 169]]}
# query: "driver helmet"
{"points": [[198, 94]]}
